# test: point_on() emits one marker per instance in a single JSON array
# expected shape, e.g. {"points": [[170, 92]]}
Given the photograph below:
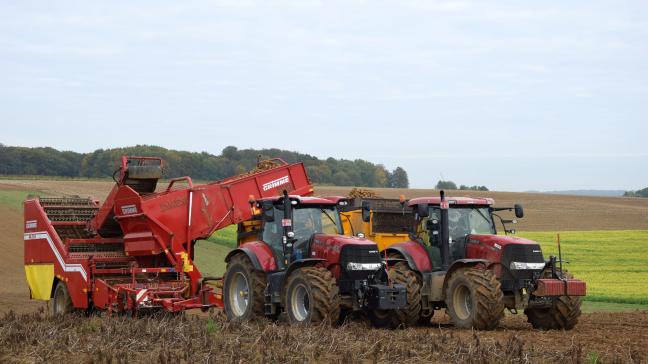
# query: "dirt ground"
{"points": [[543, 212], [15, 294]]}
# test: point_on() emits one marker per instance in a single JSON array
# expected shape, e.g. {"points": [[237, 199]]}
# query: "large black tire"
{"points": [[562, 315], [400, 273], [61, 300], [474, 299], [312, 296], [243, 290]]}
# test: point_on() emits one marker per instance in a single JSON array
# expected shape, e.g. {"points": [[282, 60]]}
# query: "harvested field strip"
{"points": [[613, 263], [39, 338]]}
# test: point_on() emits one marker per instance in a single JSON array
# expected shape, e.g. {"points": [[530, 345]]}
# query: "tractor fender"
{"points": [[405, 254], [259, 253], [462, 263], [308, 262]]}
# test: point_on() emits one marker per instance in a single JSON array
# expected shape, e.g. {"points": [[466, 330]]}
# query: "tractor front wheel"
{"points": [[243, 290], [474, 299], [400, 273], [61, 301], [311, 297]]}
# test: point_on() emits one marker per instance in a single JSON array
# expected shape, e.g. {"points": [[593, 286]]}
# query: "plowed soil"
{"points": [[543, 212], [15, 294]]}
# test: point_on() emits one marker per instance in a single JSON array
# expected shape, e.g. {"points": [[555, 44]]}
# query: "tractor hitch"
{"points": [[383, 297]]}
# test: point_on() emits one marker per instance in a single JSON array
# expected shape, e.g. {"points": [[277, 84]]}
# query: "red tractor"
{"points": [[293, 258], [456, 260]]}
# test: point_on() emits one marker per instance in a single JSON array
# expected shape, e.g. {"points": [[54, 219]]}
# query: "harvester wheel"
{"points": [[562, 315], [61, 301], [312, 296], [474, 299], [243, 290], [400, 273]]}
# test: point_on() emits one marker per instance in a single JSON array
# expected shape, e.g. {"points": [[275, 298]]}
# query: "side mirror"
{"points": [[366, 211], [519, 211], [422, 210], [268, 211]]}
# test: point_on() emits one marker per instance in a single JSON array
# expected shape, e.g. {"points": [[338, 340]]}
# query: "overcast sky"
{"points": [[513, 95]]}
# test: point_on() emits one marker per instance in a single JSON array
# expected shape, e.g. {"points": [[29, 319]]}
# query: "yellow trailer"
{"points": [[385, 221]]}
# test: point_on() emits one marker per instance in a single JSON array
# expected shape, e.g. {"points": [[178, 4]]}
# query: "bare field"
{"points": [[544, 212]]}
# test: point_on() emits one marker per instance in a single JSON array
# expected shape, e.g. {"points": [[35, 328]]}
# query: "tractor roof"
{"points": [[310, 200], [452, 201]]}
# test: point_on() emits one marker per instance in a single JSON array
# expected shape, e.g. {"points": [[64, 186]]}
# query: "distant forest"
{"points": [[638, 193], [204, 166]]}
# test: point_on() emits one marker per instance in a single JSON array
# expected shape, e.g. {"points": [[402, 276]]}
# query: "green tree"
{"points": [[445, 185], [202, 166], [398, 178]]}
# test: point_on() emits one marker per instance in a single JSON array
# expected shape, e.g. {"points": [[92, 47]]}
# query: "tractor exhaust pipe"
{"points": [[444, 233]]}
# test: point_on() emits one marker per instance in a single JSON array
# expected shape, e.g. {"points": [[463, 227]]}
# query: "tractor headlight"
{"points": [[363, 266], [525, 265]]}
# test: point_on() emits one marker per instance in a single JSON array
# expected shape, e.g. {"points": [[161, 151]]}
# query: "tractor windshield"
{"points": [[307, 220], [463, 221]]}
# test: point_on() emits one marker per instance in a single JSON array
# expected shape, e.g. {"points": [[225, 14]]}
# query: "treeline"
{"points": [[449, 185], [638, 193], [204, 166]]}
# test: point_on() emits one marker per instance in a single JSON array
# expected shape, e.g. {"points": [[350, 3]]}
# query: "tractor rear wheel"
{"points": [[474, 299], [562, 315], [243, 290], [61, 301], [311, 297], [400, 273]]}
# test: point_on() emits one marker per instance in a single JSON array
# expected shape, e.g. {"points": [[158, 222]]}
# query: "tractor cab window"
{"points": [[431, 241], [307, 221], [463, 221]]}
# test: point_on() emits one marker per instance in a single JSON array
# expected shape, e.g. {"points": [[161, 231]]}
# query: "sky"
{"points": [[517, 96]]}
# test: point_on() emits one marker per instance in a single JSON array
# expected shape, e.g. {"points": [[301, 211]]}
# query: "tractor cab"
{"points": [[466, 216], [290, 235]]}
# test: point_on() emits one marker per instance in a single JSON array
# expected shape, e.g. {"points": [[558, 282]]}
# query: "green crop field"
{"points": [[613, 263], [14, 198]]}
